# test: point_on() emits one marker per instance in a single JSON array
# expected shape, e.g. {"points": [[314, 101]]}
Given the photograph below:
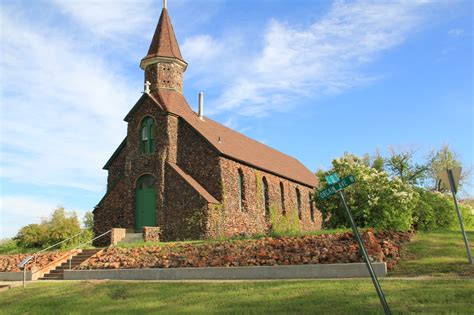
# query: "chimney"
{"points": [[201, 106]]}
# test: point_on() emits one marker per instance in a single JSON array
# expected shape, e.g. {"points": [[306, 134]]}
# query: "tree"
{"points": [[376, 200], [88, 220], [60, 226], [442, 160], [401, 165]]}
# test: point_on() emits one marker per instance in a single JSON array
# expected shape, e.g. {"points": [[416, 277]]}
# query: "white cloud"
{"points": [[18, 211], [62, 107], [455, 32], [296, 62], [111, 18]]}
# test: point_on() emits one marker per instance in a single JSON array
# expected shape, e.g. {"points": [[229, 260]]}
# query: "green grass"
{"points": [[279, 297], [438, 254], [448, 287]]}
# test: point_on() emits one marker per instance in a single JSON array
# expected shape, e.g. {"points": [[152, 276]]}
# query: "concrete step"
{"points": [[132, 238], [58, 272]]}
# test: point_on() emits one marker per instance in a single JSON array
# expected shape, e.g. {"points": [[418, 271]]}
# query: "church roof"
{"points": [[164, 43], [235, 145]]}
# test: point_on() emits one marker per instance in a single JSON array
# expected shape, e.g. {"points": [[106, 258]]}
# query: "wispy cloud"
{"points": [[297, 62], [455, 32], [111, 19], [61, 107]]}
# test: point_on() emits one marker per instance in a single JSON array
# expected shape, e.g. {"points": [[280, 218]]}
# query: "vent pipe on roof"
{"points": [[201, 106]]}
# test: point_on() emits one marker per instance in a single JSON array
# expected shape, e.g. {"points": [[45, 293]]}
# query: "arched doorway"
{"points": [[145, 207]]}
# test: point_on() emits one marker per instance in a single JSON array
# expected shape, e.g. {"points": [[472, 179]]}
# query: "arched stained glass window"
{"points": [[147, 136], [266, 199], [311, 207], [241, 190], [282, 196], [298, 203]]}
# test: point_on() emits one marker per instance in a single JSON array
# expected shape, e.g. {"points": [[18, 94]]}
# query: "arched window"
{"points": [[146, 181], [298, 203], [241, 190], [282, 196], [311, 207], [147, 135], [266, 199]]}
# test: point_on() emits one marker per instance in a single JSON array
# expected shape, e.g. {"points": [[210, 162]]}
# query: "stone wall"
{"points": [[165, 75], [185, 210], [230, 220], [151, 233], [199, 159]]}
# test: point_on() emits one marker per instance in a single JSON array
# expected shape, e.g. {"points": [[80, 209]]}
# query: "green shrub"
{"points": [[8, 246], [60, 226], [376, 200], [436, 210], [283, 225]]}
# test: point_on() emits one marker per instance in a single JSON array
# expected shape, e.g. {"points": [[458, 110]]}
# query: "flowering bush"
{"points": [[376, 200]]}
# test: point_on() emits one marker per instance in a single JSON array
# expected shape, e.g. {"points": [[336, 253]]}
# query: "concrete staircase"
{"points": [[58, 273], [132, 238]]}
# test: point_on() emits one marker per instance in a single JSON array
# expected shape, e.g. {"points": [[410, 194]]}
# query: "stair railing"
{"points": [[32, 258], [85, 243]]}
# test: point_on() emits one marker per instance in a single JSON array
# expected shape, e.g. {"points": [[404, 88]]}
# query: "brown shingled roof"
{"points": [[164, 43], [235, 145]]}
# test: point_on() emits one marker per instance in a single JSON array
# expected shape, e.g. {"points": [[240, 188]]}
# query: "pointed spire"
{"points": [[164, 43]]}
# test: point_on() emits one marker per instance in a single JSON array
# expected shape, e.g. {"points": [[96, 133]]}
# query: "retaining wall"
{"points": [[355, 270]]}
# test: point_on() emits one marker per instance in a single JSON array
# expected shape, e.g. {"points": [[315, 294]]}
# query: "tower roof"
{"points": [[164, 43]]}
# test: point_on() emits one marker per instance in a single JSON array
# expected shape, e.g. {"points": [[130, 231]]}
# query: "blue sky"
{"points": [[313, 79]]}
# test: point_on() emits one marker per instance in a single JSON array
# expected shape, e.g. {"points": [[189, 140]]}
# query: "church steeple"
{"points": [[164, 66]]}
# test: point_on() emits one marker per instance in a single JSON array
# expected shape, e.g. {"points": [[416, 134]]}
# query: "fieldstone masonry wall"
{"points": [[168, 75], [151, 233], [230, 220]]}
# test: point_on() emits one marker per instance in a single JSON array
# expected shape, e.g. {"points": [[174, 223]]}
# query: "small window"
{"points": [[298, 203], [266, 199], [146, 182], [282, 196], [241, 190], [311, 207], [147, 137]]}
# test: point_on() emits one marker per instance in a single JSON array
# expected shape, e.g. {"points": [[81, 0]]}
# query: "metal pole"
{"points": [[24, 276], [70, 262], [453, 191], [377, 286]]}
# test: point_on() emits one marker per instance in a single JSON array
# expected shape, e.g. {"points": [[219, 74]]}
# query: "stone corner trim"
{"points": [[151, 233], [317, 271]]}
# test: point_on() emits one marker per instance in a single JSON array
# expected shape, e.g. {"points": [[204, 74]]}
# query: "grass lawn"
{"points": [[438, 254], [301, 297], [446, 286]]}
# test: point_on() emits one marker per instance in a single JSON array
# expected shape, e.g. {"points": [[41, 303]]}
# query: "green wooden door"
{"points": [[145, 203]]}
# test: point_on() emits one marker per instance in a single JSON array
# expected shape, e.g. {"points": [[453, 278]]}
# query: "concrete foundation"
{"points": [[15, 276], [355, 270]]}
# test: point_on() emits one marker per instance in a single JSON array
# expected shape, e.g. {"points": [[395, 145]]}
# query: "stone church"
{"points": [[189, 175]]}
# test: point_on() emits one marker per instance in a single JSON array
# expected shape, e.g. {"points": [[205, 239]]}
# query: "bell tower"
{"points": [[163, 65]]}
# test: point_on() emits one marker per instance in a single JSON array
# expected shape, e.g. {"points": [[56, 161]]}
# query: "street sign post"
{"points": [[339, 187], [23, 264], [453, 185]]}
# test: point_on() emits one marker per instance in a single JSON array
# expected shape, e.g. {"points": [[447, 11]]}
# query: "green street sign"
{"points": [[331, 179], [326, 192], [340, 185], [345, 182]]}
